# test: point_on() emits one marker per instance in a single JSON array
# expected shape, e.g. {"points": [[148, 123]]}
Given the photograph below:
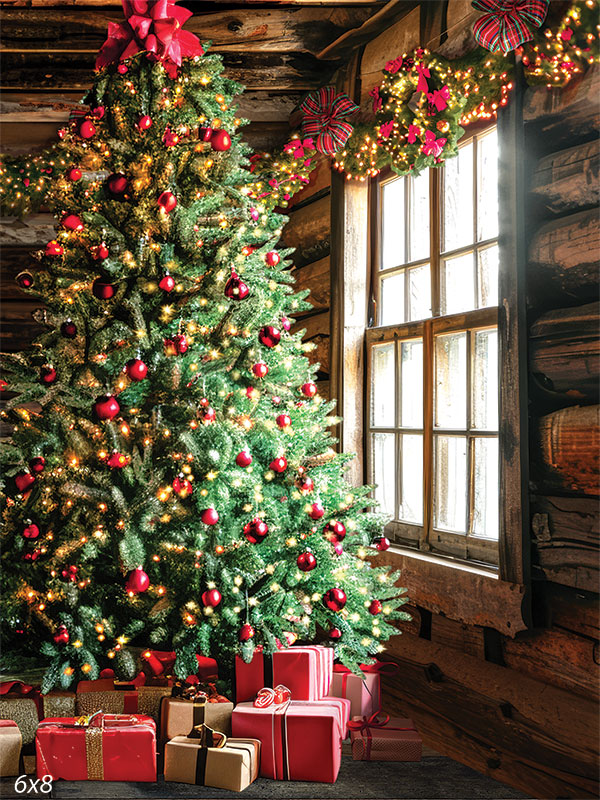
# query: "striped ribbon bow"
{"points": [[324, 119], [507, 23]]}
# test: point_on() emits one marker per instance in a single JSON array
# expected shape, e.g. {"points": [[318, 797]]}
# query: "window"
{"points": [[432, 411]]}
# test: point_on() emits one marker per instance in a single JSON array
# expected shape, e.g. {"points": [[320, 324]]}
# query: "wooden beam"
{"points": [[567, 181], [196, 4], [308, 230], [315, 277]]}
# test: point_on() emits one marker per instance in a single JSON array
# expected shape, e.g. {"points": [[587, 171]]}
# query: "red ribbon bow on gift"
{"points": [[433, 146], [153, 26], [438, 99], [297, 147], [324, 113], [507, 23], [266, 696]]}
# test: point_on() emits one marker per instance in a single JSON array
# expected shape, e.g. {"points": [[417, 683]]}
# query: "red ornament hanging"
{"points": [[48, 374], [256, 530], [117, 186], [316, 511], [37, 464], [308, 389], [381, 543], [61, 636], [235, 288], [209, 516], [53, 248], [334, 532], [106, 407], [98, 112], [24, 481], [87, 129], [269, 336], [260, 369], [251, 393], [305, 485], [283, 421], [182, 486], [100, 252], [375, 607], [278, 464], [167, 283], [220, 140], [205, 134], [118, 460], [208, 415], [167, 202], [211, 598], [31, 530], [72, 222], [306, 561], [102, 290], [24, 280], [137, 581], [136, 369], [246, 633], [170, 138], [243, 459], [176, 346], [74, 174], [248, 249], [68, 329], [334, 599], [335, 633], [122, 69], [145, 122], [272, 258]]}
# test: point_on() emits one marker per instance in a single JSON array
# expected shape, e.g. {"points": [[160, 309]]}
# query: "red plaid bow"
{"points": [[324, 113], [153, 26], [506, 23]]}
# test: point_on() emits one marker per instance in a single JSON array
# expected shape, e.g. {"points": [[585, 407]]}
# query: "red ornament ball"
{"points": [[37, 464], [87, 129], [220, 140], [334, 599], [182, 486], [375, 607], [106, 407], [211, 598], [167, 283], [102, 289], [269, 336], [118, 460], [117, 186], [308, 389], [74, 174], [98, 112], [235, 288], [272, 258], [305, 485], [250, 392], [100, 252], [381, 543], [72, 222], [208, 415], [260, 369], [136, 369], [24, 280], [145, 122], [316, 511], [246, 632], [53, 248], [176, 345], [137, 581], [278, 464], [205, 134], [256, 530], [48, 374], [122, 69], [167, 202], [69, 573], [284, 421], [31, 531], [243, 459], [61, 636], [68, 329], [24, 481], [170, 138], [209, 516], [335, 633], [334, 532], [306, 561], [33, 556]]}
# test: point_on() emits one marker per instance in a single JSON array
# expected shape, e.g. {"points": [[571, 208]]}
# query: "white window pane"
{"points": [[488, 277], [450, 483], [392, 300], [486, 488], [484, 380], [458, 199], [383, 456], [419, 288], [411, 383], [383, 383], [393, 224], [419, 217], [487, 186], [411, 465], [458, 285], [451, 380]]}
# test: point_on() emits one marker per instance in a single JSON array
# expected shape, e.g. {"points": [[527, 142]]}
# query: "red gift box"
{"points": [[112, 748], [300, 741], [162, 662], [384, 739], [363, 692], [306, 671]]}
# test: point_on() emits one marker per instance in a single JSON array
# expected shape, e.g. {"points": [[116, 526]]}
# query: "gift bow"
{"points": [[438, 99], [367, 724], [377, 99], [433, 146], [297, 147], [266, 696], [324, 118], [422, 85], [507, 23], [208, 736], [153, 26]]}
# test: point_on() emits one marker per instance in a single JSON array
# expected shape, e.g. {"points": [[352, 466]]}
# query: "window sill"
{"points": [[485, 570]]}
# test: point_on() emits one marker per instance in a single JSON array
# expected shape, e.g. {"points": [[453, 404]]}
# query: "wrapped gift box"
{"points": [[233, 766], [141, 700], [24, 712], [10, 748], [179, 716], [384, 738], [306, 671], [111, 748], [58, 704], [364, 693], [300, 741]]}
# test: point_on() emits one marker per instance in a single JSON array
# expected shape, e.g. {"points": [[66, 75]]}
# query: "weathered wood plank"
{"points": [[524, 732], [225, 3], [29, 234], [309, 231], [315, 277], [569, 451], [464, 638], [564, 352], [567, 181], [572, 610], [18, 327]]}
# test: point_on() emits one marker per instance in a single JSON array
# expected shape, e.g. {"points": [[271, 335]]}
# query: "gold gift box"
{"points": [[143, 700], [10, 749], [179, 716], [58, 704], [24, 712], [233, 766]]}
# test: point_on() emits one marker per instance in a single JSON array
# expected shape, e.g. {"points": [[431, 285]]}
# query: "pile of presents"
{"points": [[292, 712]]}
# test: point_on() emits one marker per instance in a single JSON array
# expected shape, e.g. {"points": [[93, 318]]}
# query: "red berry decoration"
{"points": [[284, 421], [145, 122], [100, 252], [37, 464], [308, 389], [278, 464], [375, 607], [24, 481], [170, 138], [167, 283], [220, 140], [122, 69], [53, 248], [61, 636], [117, 186], [272, 258], [33, 556], [176, 345], [334, 532], [211, 598], [205, 134], [87, 129], [182, 486], [334, 599], [167, 202], [106, 407], [260, 369], [72, 222], [69, 573], [137, 581], [335, 633], [209, 516], [68, 329], [256, 530], [269, 336], [118, 460], [306, 561], [102, 290], [243, 459], [305, 485], [316, 511], [381, 543], [24, 280], [74, 174], [246, 632], [235, 288], [48, 374], [136, 369], [31, 531]]}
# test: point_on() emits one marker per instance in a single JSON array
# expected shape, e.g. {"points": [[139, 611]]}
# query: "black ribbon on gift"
{"points": [[208, 738]]}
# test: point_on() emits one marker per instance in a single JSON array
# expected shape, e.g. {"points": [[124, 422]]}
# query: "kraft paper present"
{"points": [[383, 738], [10, 748], [179, 716], [233, 766], [24, 712]]}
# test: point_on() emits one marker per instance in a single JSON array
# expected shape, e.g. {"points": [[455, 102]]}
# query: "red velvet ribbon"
{"points": [[366, 724], [20, 689]]}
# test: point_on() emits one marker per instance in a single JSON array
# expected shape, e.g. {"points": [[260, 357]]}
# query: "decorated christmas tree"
{"points": [[170, 482]]}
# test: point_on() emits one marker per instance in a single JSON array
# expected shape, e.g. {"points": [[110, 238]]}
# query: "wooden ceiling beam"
{"points": [[196, 5]]}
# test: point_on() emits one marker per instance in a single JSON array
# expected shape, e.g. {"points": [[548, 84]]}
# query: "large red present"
{"points": [[112, 747], [363, 692], [300, 741], [306, 671], [384, 739]]}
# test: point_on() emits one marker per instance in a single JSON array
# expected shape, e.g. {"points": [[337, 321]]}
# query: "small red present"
{"points": [[306, 671], [384, 738], [110, 748], [300, 741], [363, 692]]}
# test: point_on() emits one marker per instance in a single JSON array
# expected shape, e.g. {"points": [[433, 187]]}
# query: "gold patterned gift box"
{"points": [[24, 712], [179, 716], [143, 700], [58, 704], [10, 748]]}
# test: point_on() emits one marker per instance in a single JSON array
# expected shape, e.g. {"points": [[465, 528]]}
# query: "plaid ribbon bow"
{"points": [[507, 23], [324, 113]]}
